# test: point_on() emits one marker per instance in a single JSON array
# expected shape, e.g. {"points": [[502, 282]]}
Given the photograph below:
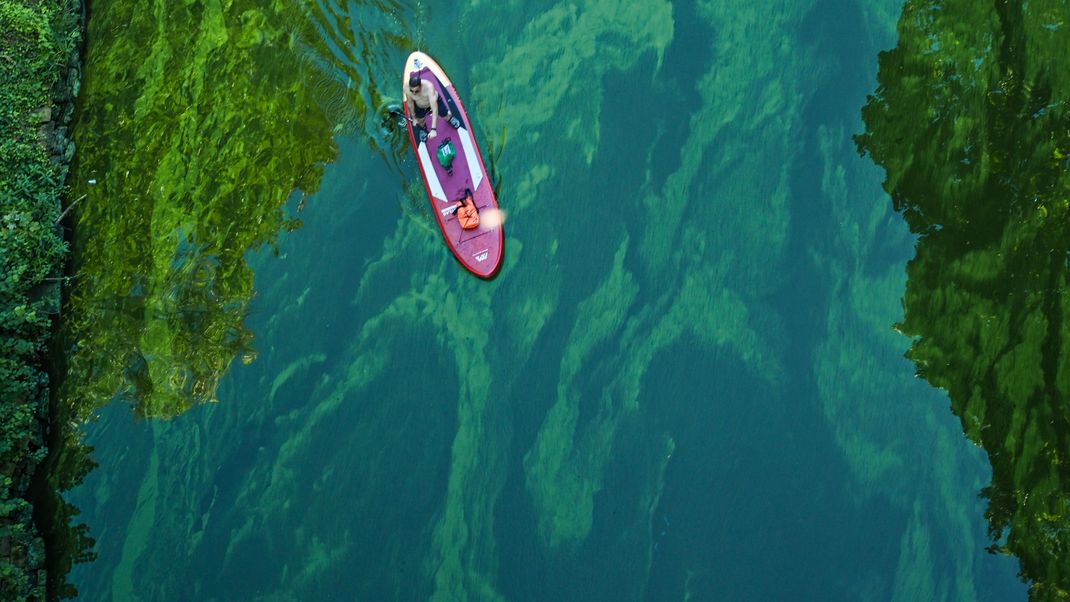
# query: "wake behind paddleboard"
{"points": [[479, 248]]}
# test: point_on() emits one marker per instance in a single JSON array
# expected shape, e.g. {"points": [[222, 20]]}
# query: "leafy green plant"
{"points": [[36, 38]]}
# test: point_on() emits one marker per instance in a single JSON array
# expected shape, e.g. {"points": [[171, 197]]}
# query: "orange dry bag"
{"points": [[467, 214]]}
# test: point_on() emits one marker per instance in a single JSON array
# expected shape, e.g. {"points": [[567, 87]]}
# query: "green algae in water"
{"points": [[197, 123], [970, 122], [192, 169], [307, 499]]}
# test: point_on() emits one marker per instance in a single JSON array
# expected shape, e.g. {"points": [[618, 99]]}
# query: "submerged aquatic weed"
{"points": [[195, 152], [198, 123]]}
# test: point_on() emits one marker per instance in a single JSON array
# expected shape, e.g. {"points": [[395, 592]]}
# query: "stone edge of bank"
{"points": [[22, 548]]}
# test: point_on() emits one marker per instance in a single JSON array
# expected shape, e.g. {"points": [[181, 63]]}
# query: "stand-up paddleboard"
{"points": [[472, 229]]}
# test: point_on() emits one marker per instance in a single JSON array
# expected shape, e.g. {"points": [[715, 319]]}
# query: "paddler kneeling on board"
{"points": [[423, 95]]}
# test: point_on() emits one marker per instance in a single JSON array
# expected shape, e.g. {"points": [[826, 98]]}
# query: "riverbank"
{"points": [[39, 79]]}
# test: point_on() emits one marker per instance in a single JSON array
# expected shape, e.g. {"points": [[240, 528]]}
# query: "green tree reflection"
{"points": [[971, 121], [197, 123]]}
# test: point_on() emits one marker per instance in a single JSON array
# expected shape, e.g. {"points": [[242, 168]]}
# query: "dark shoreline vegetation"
{"points": [[971, 121], [38, 79]]}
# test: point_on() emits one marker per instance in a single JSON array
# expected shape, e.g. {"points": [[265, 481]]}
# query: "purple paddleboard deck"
{"points": [[479, 249]]}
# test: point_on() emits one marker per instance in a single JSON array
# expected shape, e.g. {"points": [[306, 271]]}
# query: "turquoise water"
{"points": [[684, 385]]}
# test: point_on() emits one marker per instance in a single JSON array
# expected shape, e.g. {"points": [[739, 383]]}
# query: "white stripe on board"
{"points": [[429, 173], [470, 157]]}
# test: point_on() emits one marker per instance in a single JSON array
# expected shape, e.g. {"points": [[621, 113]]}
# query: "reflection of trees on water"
{"points": [[197, 124], [971, 121], [66, 541]]}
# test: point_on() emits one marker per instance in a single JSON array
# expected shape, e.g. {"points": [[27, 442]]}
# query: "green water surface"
{"points": [[685, 383]]}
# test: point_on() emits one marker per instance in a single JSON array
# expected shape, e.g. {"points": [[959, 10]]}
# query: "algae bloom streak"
{"points": [[971, 122], [197, 124]]}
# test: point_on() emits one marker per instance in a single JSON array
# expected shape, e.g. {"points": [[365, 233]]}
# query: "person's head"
{"points": [[414, 82]]}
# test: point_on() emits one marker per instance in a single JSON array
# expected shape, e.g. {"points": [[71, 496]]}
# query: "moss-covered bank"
{"points": [[38, 80]]}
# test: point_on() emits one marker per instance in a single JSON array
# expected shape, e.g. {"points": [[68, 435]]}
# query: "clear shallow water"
{"points": [[683, 385]]}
